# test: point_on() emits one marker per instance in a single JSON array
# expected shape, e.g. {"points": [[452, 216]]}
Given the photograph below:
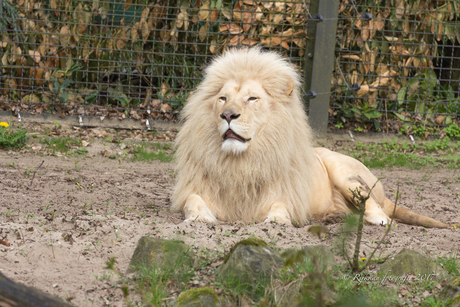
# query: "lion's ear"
{"points": [[290, 87]]}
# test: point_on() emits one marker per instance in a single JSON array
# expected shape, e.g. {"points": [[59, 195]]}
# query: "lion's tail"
{"points": [[411, 218]]}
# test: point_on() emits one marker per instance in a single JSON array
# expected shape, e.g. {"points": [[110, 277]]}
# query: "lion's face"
{"points": [[240, 112]]}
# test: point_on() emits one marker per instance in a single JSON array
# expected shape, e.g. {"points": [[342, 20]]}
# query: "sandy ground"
{"points": [[64, 224]]}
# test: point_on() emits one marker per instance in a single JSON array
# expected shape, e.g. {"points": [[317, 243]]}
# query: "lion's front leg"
{"points": [[279, 214], [195, 209]]}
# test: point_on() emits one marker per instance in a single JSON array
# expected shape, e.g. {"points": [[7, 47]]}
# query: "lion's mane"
{"points": [[278, 166]]}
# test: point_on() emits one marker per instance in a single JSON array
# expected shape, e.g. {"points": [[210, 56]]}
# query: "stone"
{"points": [[312, 288], [412, 262], [160, 253], [323, 253], [200, 297], [451, 292], [249, 260]]}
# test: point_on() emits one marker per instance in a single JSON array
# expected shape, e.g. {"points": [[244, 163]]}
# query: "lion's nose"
{"points": [[229, 116]]}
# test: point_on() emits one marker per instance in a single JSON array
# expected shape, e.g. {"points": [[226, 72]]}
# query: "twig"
{"points": [[386, 232], [36, 172], [360, 201]]}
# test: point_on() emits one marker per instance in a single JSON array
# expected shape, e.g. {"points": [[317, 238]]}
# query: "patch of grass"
{"points": [[450, 263], [12, 138], [437, 153], [64, 145], [156, 283], [155, 151]]}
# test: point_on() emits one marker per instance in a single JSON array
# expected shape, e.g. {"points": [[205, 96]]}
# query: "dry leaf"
{"points": [[203, 32], [5, 242], [235, 40], [234, 28], [214, 14], [272, 41], [400, 9], [64, 36], [35, 55], [212, 48], [440, 119], [351, 57], [165, 108], [164, 89], [204, 11], [363, 90], [250, 41]]}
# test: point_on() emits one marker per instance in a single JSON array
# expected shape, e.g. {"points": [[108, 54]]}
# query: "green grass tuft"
{"points": [[64, 145], [439, 153], [149, 152], [10, 138]]}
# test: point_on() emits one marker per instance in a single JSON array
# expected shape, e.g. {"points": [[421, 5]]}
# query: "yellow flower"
{"points": [[3, 124], [363, 258]]}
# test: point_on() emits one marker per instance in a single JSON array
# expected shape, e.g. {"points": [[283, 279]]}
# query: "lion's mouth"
{"points": [[232, 135]]}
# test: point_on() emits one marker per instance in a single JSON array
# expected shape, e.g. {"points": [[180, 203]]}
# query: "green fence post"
{"points": [[319, 62]]}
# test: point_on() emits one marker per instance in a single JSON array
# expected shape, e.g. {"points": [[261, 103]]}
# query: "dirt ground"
{"points": [[65, 222]]}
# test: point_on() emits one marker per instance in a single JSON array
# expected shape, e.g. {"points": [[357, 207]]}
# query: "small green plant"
{"points": [[77, 167], [156, 151], [452, 131], [450, 263], [61, 83], [404, 129], [419, 130], [10, 138], [64, 145]]}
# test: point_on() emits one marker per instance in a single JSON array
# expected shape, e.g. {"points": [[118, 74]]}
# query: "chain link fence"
{"points": [[396, 64], [400, 71], [133, 58]]}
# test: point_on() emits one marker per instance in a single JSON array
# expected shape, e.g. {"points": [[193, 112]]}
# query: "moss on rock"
{"points": [[250, 261], [411, 262], [198, 297], [451, 292], [159, 252], [246, 242]]}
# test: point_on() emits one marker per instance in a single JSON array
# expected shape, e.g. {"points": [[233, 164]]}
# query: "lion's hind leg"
{"points": [[195, 209]]}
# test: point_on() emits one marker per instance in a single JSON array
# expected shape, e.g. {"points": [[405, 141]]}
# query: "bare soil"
{"points": [[65, 222]]}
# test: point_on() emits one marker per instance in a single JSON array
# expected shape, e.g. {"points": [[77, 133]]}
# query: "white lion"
{"points": [[245, 152]]}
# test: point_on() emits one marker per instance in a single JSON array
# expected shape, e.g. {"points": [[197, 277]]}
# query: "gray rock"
{"points": [[250, 260], [201, 297], [452, 291], [323, 253], [411, 262], [313, 289], [159, 252]]}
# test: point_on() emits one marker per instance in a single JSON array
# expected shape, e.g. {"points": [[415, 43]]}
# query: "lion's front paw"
{"points": [[277, 219], [334, 217], [202, 218], [195, 209]]}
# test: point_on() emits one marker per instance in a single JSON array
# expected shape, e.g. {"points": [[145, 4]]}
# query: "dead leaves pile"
{"points": [[391, 56]]}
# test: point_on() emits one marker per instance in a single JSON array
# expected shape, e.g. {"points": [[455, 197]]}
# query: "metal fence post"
{"points": [[319, 62]]}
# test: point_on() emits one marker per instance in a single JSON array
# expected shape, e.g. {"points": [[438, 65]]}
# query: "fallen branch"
{"points": [[36, 172]]}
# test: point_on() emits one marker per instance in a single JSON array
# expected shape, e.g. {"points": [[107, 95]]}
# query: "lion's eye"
{"points": [[253, 99], [222, 99]]}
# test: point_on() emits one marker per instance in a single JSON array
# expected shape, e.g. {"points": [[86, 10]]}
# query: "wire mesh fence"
{"points": [[133, 58], [404, 65], [396, 65]]}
